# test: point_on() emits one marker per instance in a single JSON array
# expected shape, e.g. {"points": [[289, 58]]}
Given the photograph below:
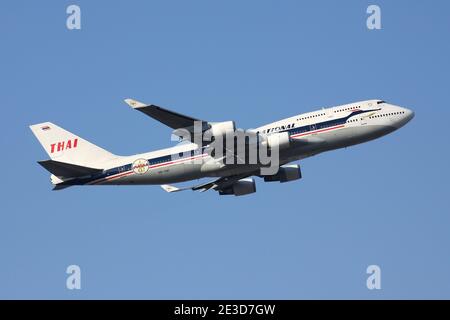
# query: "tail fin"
{"points": [[63, 146]]}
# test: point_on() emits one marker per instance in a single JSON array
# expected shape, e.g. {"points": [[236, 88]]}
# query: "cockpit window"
{"points": [[380, 102]]}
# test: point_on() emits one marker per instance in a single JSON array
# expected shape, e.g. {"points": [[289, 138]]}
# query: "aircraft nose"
{"points": [[406, 116], [409, 114]]}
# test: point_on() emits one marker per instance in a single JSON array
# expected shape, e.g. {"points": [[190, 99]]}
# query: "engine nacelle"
{"points": [[278, 140], [240, 188], [221, 128], [286, 173]]}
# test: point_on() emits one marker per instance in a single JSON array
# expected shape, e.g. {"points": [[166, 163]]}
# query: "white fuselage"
{"points": [[311, 133]]}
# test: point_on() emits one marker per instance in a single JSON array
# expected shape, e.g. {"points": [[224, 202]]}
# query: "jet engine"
{"points": [[286, 173], [277, 140], [207, 132], [240, 188], [221, 128]]}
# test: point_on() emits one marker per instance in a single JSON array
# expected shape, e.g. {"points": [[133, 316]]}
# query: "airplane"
{"points": [[75, 161]]}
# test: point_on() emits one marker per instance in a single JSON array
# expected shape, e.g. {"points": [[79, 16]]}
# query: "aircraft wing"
{"points": [[170, 118], [218, 184]]}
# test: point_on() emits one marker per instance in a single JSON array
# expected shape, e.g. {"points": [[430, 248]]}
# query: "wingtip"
{"points": [[134, 103], [169, 188]]}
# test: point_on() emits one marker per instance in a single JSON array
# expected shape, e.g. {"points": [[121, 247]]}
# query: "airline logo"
{"points": [[140, 166], [63, 145]]}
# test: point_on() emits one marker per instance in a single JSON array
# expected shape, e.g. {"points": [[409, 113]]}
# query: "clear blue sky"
{"points": [[383, 202]]}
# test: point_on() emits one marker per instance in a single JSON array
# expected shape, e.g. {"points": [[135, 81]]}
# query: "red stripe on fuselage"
{"points": [[122, 174], [177, 161], [317, 131], [118, 175]]}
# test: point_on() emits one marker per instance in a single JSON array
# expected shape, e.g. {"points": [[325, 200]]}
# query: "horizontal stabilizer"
{"points": [[67, 170], [61, 186]]}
